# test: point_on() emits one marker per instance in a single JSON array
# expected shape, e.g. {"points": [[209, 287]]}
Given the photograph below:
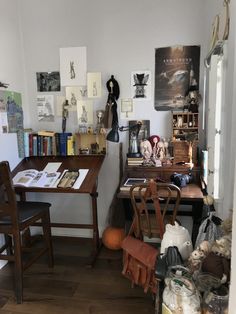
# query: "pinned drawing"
{"points": [[85, 111], [73, 66], [141, 85], [94, 82]]}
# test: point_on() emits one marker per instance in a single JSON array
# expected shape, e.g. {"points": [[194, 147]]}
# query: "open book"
{"points": [[34, 178]]}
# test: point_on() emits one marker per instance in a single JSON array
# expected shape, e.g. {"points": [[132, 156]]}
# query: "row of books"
{"points": [[47, 143]]}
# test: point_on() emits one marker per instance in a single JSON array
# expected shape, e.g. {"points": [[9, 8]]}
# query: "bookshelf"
{"points": [[49, 143]]}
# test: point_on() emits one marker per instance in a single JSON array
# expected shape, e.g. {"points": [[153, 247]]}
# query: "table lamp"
{"points": [[113, 136]]}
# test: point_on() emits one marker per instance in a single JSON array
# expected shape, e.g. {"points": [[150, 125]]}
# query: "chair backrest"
{"points": [[8, 205], [154, 205]]}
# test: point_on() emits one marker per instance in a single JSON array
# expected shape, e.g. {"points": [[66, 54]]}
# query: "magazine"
{"points": [[34, 178]]}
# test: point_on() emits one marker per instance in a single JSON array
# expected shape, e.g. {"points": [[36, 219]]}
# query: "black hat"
{"points": [[113, 87]]}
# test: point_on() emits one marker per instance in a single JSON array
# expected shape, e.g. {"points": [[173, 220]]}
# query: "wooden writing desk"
{"points": [[190, 195], [89, 185]]}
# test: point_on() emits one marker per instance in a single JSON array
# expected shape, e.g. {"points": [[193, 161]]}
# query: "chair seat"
{"points": [[27, 210], [154, 227]]}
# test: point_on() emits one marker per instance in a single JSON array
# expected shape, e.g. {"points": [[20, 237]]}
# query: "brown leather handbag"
{"points": [[139, 263]]}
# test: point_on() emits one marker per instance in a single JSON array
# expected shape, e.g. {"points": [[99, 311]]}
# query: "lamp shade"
{"points": [[113, 135]]}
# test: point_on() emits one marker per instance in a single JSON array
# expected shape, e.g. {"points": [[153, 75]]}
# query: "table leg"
{"points": [[96, 241]]}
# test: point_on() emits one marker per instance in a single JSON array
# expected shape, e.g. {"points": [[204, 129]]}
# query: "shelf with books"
{"points": [[50, 143]]}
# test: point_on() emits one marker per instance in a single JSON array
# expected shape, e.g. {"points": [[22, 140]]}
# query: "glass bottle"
{"points": [[215, 301], [181, 297]]}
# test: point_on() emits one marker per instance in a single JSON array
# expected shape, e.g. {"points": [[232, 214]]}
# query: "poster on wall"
{"points": [[48, 81], [3, 114], [176, 69], [45, 106], [73, 66], [141, 85]]}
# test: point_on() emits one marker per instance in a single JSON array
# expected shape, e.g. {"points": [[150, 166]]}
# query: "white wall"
{"points": [[11, 72], [120, 36]]}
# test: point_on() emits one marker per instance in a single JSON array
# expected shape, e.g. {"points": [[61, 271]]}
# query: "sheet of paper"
{"points": [[52, 167], [79, 181]]}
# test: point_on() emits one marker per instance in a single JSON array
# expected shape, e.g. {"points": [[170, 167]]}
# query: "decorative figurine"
{"points": [[146, 151], [65, 113]]}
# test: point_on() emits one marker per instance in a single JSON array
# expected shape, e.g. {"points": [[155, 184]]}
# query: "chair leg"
{"points": [[48, 237], [18, 268]]}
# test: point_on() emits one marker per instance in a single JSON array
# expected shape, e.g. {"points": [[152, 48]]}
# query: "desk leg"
{"points": [[197, 216], [96, 242]]}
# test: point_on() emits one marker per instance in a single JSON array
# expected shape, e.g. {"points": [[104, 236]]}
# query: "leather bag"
{"points": [[139, 263]]}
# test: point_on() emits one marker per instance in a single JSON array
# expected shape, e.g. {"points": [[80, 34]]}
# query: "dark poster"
{"points": [[176, 69]]}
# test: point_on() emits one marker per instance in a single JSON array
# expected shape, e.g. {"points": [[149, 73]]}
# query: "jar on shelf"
{"points": [[215, 301], [181, 297]]}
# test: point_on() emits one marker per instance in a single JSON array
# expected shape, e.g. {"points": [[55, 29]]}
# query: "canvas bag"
{"points": [[139, 260]]}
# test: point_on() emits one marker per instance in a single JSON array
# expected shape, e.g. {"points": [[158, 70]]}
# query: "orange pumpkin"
{"points": [[112, 237]]}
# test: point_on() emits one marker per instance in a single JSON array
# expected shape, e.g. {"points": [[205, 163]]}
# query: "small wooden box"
{"points": [[90, 143], [181, 151]]}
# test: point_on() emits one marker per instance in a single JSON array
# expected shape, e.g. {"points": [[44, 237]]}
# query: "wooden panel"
{"points": [[181, 151]]}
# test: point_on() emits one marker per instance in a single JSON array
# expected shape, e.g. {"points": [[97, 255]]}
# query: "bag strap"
{"points": [[156, 203]]}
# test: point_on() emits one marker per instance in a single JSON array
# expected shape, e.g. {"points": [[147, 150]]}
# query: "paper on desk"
{"points": [[52, 167], [79, 181]]}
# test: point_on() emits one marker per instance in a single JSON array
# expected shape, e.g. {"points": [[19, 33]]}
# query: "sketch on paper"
{"points": [[45, 107], [73, 66], [141, 85], [73, 94], [126, 108], [85, 111], [176, 69], [48, 81], [94, 84]]}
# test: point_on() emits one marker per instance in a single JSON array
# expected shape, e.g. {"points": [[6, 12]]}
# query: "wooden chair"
{"points": [[16, 217], [154, 205]]}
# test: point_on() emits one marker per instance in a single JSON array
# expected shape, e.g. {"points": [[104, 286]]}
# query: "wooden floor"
{"points": [[71, 287]]}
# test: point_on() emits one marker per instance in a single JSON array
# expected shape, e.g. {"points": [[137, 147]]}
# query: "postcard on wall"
{"points": [[45, 107], [141, 85], [126, 108], [48, 81], [176, 69], [73, 66], [94, 84], [85, 111], [59, 105]]}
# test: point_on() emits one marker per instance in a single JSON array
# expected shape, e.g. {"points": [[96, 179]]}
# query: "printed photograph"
{"points": [[48, 81], [45, 107]]}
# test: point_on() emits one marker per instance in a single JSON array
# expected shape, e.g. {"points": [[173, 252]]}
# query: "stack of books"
{"points": [[135, 161]]}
